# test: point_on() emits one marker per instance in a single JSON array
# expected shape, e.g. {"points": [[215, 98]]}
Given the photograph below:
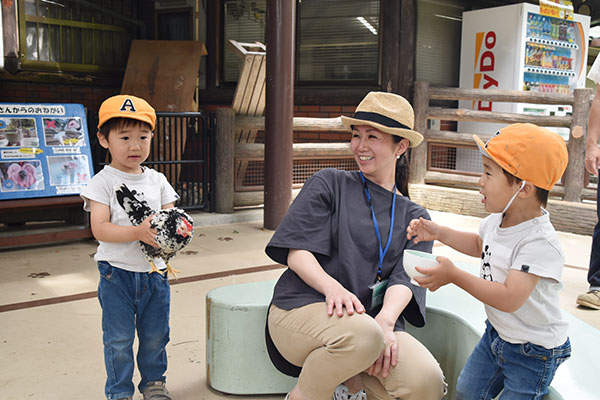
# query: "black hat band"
{"points": [[380, 119]]}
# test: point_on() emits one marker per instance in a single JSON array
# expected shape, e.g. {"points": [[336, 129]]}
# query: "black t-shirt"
{"points": [[331, 218]]}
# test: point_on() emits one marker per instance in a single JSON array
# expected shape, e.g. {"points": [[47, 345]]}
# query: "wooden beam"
{"points": [[462, 114], [256, 151], [468, 202], [305, 124], [496, 95]]}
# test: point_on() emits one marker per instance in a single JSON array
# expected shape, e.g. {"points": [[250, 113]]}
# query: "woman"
{"points": [[338, 311]]}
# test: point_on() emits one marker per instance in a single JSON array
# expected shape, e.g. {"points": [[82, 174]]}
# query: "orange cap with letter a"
{"points": [[529, 152], [126, 106]]}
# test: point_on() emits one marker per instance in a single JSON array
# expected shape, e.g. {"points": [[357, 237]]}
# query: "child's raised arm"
{"points": [[508, 296], [106, 231], [425, 230]]}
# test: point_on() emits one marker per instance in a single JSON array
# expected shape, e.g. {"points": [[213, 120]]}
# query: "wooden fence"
{"points": [[574, 178], [444, 191]]}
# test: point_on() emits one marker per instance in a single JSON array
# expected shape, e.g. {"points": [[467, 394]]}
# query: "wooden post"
{"points": [[10, 36], [418, 156], [224, 160], [279, 129], [574, 174]]}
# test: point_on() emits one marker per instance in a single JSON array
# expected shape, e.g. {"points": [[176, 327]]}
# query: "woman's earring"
{"points": [[397, 157]]}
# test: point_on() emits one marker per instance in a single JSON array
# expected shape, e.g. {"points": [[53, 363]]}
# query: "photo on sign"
{"points": [[63, 131], [68, 170], [18, 176], [18, 132]]}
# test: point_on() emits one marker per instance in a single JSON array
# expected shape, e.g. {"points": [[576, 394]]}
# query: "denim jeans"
{"points": [[130, 301], [594, 270], [524, 371]]}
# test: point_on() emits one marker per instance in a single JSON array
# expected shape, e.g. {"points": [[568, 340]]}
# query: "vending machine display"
{"points": [[550, 48], [515, 47]]}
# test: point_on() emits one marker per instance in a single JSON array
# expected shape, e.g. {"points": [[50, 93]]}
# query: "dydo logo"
{"points": [[484, 66]]}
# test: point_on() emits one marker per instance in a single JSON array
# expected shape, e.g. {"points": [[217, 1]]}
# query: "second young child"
{"points": [[131, 298], [521, 265]]}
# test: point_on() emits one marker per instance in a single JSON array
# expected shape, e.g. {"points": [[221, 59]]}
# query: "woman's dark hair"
{"points": [[540, 194], [118, 123], [402, 170]]}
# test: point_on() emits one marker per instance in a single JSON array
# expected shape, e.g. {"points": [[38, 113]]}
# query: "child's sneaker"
{"points": [[342, 393], [156, 391], [590, 299]]}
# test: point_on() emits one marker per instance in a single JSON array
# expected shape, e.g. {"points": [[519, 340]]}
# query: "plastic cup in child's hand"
{"points": [[416, 258]]}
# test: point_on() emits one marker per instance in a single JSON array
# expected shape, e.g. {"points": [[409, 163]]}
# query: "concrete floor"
{"points": [[50, 332]]}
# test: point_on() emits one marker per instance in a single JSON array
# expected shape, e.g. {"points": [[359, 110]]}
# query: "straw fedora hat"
{"points": [[386, 112]]}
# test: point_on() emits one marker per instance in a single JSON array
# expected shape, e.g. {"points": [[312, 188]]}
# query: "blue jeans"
{"points": [[594, 270], [130, 301], [524, 371]]}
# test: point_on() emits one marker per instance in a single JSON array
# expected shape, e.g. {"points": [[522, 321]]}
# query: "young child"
{"points": [[130, 297], [521, 265]]}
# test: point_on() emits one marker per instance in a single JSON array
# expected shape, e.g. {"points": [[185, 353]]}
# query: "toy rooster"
{"points": [[174, 227]]}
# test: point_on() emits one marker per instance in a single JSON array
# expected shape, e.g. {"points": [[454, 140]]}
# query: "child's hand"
{"points": [[146, 234], [423, 230], [437, 276]]}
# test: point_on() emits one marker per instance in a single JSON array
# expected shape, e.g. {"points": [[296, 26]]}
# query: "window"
{"points": [[245, 22], [65, 35], [438, 41], [337, 41]]}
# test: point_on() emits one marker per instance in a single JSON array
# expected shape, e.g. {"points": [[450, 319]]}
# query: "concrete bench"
{"points": [[238, 363], [236, 354]]}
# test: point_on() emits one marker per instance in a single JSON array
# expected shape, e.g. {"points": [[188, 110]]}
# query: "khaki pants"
{"points": [[334, 349]]}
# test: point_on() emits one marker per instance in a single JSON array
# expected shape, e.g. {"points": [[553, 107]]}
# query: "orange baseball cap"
{"points": [[126, 106], [529, 152]]}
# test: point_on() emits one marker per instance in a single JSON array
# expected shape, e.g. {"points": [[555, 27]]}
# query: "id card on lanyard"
{"points": [[379, 287]]}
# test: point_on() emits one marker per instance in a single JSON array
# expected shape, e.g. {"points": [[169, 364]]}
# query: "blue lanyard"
{"points": [[382, 251]]}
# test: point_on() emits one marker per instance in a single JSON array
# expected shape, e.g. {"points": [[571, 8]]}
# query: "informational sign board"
{"points": [[44, 150]]}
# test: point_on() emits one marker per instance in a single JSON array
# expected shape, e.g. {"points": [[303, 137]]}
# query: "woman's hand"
{"points": [[147, 234], [389, 356], [338, 297], [305, 264], [423, 230], [438, 276]]}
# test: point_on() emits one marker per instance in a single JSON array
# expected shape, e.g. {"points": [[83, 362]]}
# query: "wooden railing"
{"points": [[574, 177], [440, 193], [228, 151]]}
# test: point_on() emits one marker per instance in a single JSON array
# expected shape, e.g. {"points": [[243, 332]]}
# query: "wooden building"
{"points": [[76, 51]]}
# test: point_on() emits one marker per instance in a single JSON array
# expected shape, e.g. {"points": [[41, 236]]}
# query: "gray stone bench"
{"points": [[238, 363]]}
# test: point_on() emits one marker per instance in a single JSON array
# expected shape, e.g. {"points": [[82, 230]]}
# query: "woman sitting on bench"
{"points": [[338, 312]]}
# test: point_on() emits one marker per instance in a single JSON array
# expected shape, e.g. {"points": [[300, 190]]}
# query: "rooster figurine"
{"points": [[174, 227]]}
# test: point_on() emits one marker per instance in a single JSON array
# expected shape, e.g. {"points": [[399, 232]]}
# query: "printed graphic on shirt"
{"points": [[486, 268]]}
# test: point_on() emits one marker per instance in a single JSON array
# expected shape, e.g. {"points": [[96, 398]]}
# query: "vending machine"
{"points": [[516, 47]]}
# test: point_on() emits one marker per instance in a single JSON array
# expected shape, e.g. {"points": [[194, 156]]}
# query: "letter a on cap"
{"points": [[128, 106]]}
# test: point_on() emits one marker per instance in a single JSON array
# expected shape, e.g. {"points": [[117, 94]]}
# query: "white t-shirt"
{"points": [[152, 186], [531, 246], [594, 73]]}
